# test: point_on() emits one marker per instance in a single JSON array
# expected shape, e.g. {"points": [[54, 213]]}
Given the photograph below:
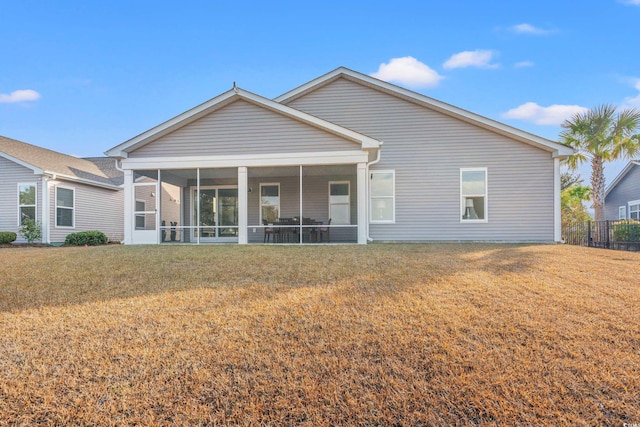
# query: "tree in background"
{"points": [[572, 195], [601, 135]]}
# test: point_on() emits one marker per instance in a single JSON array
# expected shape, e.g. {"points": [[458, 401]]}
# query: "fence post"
{"points": [[608, 237], [589, 233]]}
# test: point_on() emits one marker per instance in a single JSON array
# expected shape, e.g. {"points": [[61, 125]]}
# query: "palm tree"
{"points": [[601, 135]]}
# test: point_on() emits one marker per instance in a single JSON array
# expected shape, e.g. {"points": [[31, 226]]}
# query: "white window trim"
{"points": [[622, 212], [73, 209], [348, 203], [264, 184], [632, 203], [392, 197], [32, 184], [486, 197]]}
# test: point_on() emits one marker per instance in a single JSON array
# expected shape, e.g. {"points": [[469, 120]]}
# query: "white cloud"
{"points": [[409, 71], [471, 58], [530, 29], [19, 96], [634, 101], [551, 115], [632, 2], [523, 64]]}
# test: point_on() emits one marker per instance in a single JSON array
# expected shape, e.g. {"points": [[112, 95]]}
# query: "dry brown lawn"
{"points": [[435, 334]]}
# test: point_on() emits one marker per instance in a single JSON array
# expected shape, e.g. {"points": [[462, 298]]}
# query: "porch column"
{"points": [[362, 203], [128, 206], [557, 211], [243, 205]]}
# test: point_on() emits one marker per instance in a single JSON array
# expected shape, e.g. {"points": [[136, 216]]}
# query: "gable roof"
{"points": [[99, 171], [621, 175], [226, 98], [557, 149]]}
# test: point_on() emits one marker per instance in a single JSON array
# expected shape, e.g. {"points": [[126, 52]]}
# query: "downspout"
{"points": [[369, 239]]}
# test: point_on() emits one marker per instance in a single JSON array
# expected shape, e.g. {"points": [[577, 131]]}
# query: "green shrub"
{"points": [[30, 230], [90, 238], [7, 237], [626, 231]]}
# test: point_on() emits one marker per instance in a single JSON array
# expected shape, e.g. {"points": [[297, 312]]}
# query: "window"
{"points": [[26, 202], [141, 207], [382, 206], [65, 202], [622, 212], [339, 202], [634, 210], [269, 202], [473, 194]]}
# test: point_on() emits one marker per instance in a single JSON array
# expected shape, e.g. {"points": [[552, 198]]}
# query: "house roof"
{"points": [[99, 171], [621, 175], [226, 98], [557, 149]]}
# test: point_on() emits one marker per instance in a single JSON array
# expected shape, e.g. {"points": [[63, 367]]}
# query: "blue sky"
{"points": [[81, 77]]}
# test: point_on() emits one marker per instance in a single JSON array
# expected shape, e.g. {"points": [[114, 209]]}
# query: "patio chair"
{"points": [[325, 230], [268, 232]]}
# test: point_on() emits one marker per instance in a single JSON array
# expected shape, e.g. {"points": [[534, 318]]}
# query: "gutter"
{"points": [[82, 180], [369, 239]]}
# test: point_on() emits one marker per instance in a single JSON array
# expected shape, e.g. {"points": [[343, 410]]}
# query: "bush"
{"points": [[7, 237], [90, 238], [30, 230], [626, 231]]}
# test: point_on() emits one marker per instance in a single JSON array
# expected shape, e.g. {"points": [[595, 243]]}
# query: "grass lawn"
{"points": [[434, 334]]}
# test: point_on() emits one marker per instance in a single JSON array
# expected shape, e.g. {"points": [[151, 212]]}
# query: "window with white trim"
{"points": [[26, 202], [634, 210], [65, 207], [340, 202], [382, 199], [269, 202], [622, 212], [473, 195]]}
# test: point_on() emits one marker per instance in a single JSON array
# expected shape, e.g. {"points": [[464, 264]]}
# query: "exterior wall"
{"points": [[10, 175], [427, 149], [626, 190], [95, 209], [241, 128]]}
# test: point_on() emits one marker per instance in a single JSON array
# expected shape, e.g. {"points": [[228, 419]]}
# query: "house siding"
{"points": [[241, 128], [427, 149], [10, 175], [626, 190], [95, 209]]}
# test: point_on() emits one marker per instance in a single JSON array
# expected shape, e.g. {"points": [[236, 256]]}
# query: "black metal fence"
{"points": [[621, 235]]}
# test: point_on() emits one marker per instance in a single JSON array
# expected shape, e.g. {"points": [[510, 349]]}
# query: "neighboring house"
{"points": [[382, 162], [65, 194], [622, 197]]}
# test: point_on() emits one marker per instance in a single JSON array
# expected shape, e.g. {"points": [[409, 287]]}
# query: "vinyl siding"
{"points": [[10, 175], [427, 149], [242, 128], [626, 190], [95, 209]]}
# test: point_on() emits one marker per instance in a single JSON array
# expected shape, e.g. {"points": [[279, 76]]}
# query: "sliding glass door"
{"points": [[215, 210]]}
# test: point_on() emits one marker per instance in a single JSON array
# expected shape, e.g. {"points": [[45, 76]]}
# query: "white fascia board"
{"points": [[621, 175], [363, 140], [56, 176], [557, 149], [249, 160], [222, 100], [36, 170], [165, 127]]}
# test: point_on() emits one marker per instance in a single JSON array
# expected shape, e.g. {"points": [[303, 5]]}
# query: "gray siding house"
{"points": [[343, 158], [622, 197], [65, 194]]}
